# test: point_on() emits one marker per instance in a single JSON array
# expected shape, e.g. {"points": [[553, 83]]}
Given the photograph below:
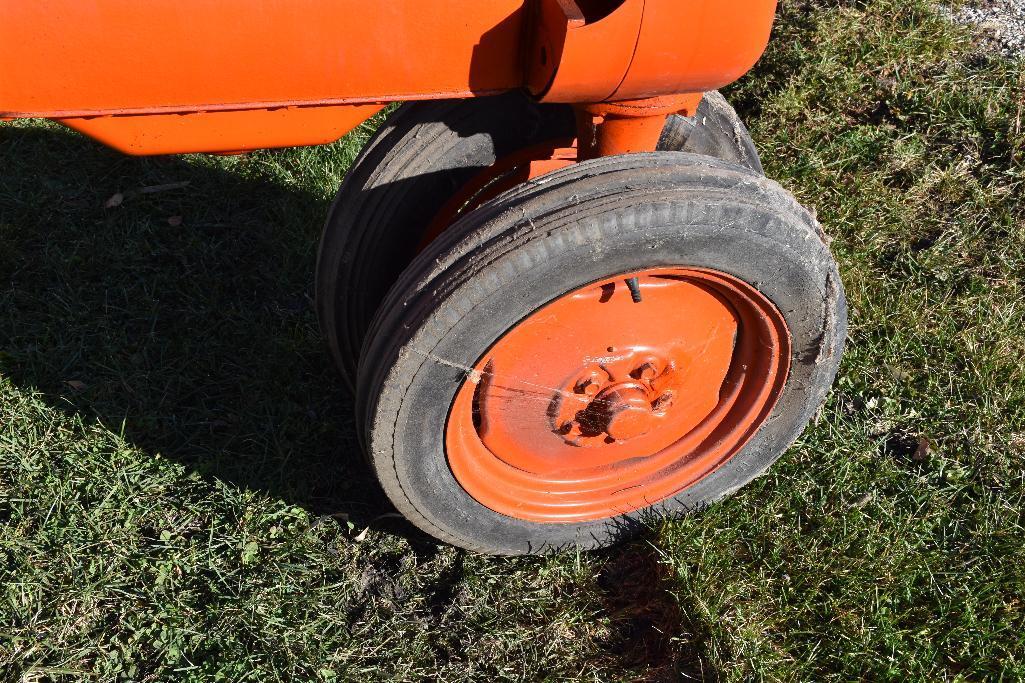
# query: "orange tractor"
{"points": [[565, 295]]}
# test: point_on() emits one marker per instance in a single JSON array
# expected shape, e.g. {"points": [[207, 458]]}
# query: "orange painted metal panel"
{"points": [[224, 131], [692, 46], [64, 58], [228, 75], [678, 47], [573, 60]]}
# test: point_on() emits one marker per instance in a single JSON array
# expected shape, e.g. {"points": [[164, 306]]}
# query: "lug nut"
{"points": [[662, 402], [588, 386], [571, 432], [646, 371], [627, 413]]}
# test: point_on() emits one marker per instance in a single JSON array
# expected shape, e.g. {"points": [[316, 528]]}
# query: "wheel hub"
{"points": [[627, 412], [622, 399]]}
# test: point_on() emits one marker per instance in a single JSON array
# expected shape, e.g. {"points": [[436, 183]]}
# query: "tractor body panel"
{"points": [[64, 58], [166, 76]]}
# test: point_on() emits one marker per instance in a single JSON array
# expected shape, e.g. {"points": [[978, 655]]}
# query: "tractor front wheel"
{"points": [[636, 337]]}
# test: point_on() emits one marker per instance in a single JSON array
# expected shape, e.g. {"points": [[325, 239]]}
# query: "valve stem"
{"points": [[635, 289]]}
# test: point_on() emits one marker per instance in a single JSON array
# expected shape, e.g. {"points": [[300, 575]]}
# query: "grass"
{"points": [[182, 496]]}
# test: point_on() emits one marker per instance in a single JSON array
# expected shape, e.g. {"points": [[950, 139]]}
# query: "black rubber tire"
{"points": [[516, 253], [422, 154], [715, 131]]}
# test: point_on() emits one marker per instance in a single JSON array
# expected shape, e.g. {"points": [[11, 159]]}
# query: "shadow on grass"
{"points": [[651, 632], [183, 317]]}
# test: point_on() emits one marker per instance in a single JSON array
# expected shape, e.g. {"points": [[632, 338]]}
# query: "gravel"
{"points": [[1002, 22]]}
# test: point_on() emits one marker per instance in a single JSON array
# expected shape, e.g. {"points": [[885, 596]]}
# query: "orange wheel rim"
{"points": [[618, 395]]}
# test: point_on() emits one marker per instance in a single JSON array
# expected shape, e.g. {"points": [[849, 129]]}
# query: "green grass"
{"points": [[182, 496]]}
